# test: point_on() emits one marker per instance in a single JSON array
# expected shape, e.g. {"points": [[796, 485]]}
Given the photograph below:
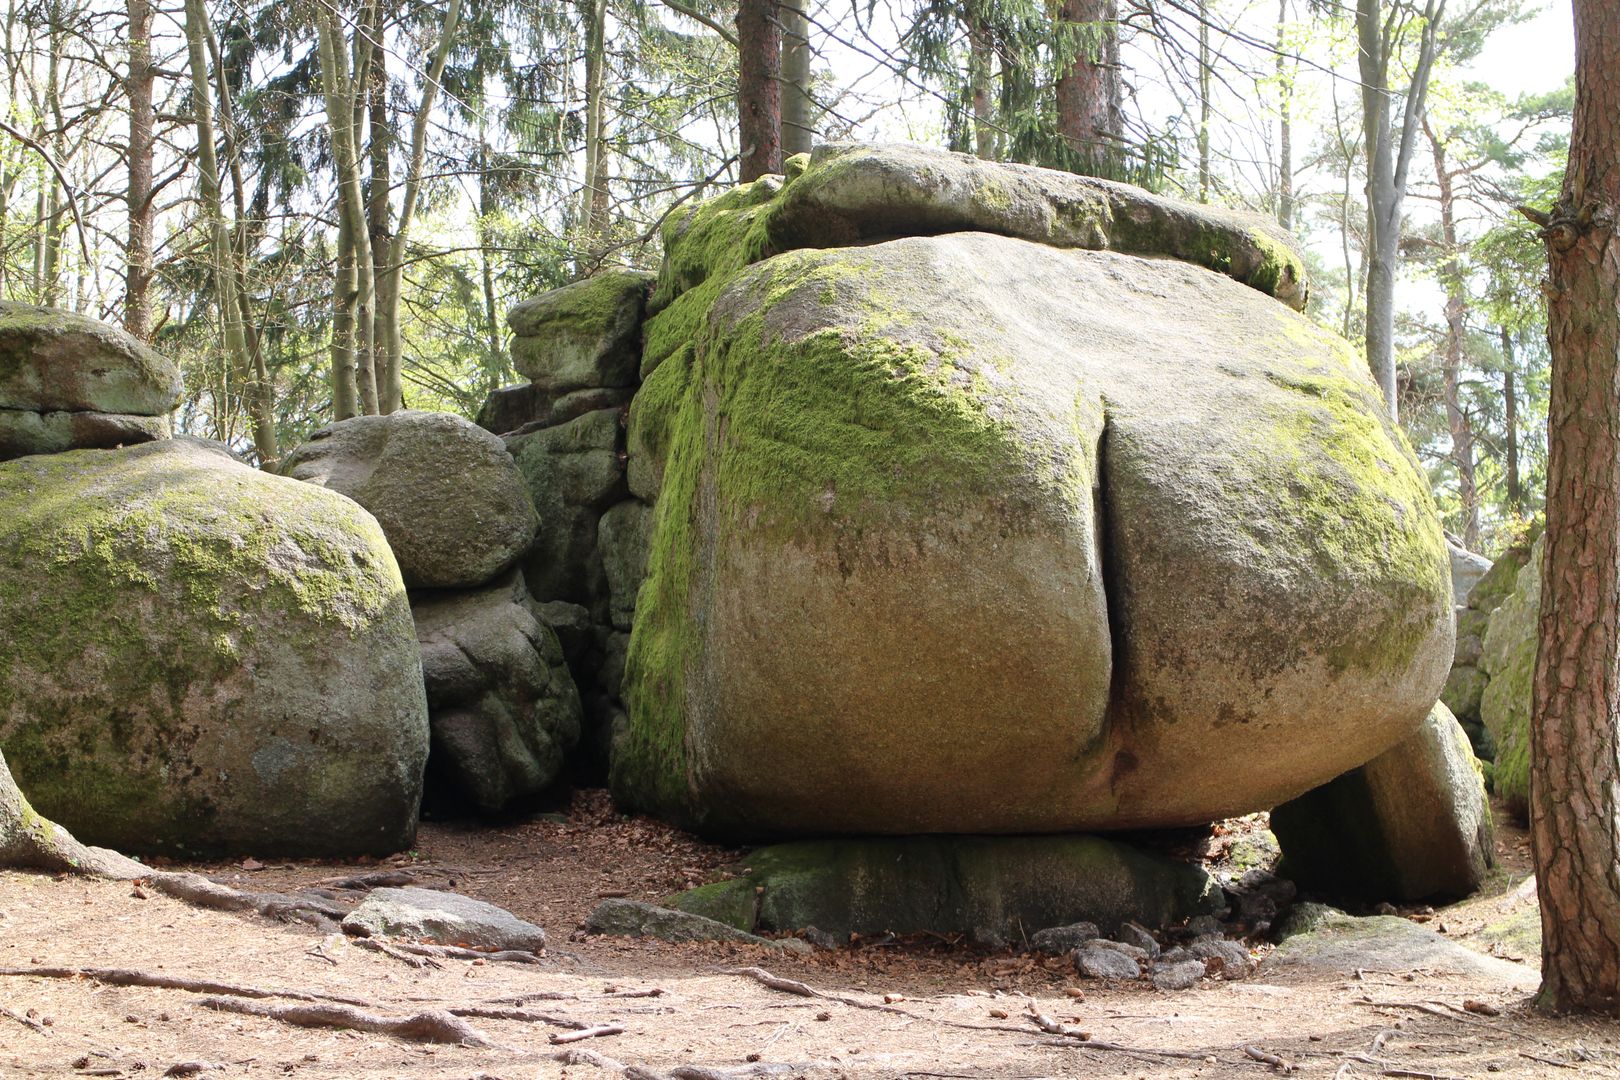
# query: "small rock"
{"points": [[1133, 934], [1178, 976], [821, 939], [1199, 925], [1096, 961], [1058, 940], [1230, 959], [1134, 952], [443, 917]]}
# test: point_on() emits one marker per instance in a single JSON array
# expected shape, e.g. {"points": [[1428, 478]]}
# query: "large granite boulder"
{"points": [[69, 382], [1477, 599], [1411, 824], [502, 706], [968, 533], [1467, 568], [1510, 662], [447, 494], [201, 658]]}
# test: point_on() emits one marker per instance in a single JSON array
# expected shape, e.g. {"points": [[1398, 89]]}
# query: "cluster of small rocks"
{"points": [[1134, 953]]}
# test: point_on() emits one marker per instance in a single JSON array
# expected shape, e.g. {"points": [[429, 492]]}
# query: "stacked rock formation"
{"points": [[68, 382], [981, 498], [580, 347], [199, 657], [459, 518]]}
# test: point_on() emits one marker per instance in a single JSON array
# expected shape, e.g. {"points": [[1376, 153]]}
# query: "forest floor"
{"points": [[893, 1008]]}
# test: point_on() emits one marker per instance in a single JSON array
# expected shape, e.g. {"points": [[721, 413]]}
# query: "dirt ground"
{"points": [[912, 1008]]}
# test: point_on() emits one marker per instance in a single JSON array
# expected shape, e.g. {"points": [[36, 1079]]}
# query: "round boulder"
{"points": [[56, 361], [966, 533], [448, 496], [201, 658]]}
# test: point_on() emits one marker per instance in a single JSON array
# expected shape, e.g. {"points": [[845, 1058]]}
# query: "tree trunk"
{"points": [[391, 284], [138, 85], [1510, 420], [1575, 720], [1451, 359], [353, 235], [979, 53], [593, 201], [379, 192], [221, 249], [798, 110], [1389, 155], [1203, 101], [1285, 125], [1089, 110], [759, 90]]}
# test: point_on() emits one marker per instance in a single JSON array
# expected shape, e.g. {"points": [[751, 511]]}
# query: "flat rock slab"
{"points": [[1341, 944], [635, 918], [442, 917], [992, 889]]}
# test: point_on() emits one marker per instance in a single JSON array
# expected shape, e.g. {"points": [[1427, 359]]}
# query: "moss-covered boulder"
{"points": [[447, 494], [55, 361], [202, 658], [996, 890], [1510, 662], [583, 335], [967, 533], [1411, 824], [504, 711]]}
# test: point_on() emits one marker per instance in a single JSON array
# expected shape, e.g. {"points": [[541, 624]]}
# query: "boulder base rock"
{"points": [[634, 918], [201, 658], [23, 432], [1510, 663], [1331, 942], [573, 472], [448, 496], [914, 495], [443, 918], [1411, 824], [56, 361], [994, 889], [503, 708]]}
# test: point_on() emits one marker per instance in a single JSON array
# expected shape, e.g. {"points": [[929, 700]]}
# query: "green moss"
{"points": [[1510, 661], [733, 902], [587, 308], [99, 547]]}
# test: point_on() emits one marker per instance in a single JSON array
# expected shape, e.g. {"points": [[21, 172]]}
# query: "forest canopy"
{"points": [[327, 209]]}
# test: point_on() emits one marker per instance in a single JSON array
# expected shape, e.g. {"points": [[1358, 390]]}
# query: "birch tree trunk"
{"points": [[798, 110]]}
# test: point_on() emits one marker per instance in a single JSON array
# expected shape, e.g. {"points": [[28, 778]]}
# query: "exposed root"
{"points": [[434, 1025], [127, 977]]}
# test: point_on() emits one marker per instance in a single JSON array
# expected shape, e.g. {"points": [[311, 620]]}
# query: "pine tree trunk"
{"points": [[138, 83], [593, 195], [798, 110], [979, 53], [759, 90], [379, 190], [1510, 420], [1088, 95], [1574, 744]]}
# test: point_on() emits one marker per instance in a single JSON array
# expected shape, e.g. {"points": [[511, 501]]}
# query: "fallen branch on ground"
{"points": [[455, 952], [597, 1032], [1267, 1058], [434, 1025]]}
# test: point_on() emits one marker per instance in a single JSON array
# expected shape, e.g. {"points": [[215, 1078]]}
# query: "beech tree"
{"points": [[1575, 720]]}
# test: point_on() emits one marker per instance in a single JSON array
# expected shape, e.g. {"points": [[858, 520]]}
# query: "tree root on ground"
{"points": [[433, 1025]]}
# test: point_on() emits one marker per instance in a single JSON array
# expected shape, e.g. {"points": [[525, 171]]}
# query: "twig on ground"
{"points": [[25, 1021], [1547, 1060], [597, 1032], [527, 1016], [417, 962], [434, 1025], [1268, 1058]]}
